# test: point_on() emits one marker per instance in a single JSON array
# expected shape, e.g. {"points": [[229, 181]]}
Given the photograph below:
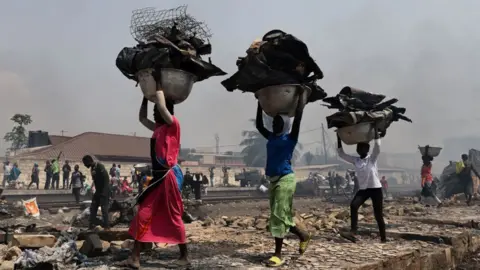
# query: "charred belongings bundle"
{"points": [[167, 48], [279, 58], [357, 106]]}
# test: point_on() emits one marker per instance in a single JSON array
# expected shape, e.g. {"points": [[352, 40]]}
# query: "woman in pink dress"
{"points": [[160, 206]]}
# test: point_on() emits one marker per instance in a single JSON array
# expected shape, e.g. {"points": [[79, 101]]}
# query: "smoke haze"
{"points": [[57, 63]]}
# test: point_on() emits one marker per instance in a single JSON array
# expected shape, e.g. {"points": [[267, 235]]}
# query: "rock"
{"points": [[261, 224], [416, 214], [33, 240], [246, 222], [79, 244], [105, 246], [92, 246], [418, 208], [66, 220], [65, 209], [221, 222], [361, 217], [117, 243], [343, 215], [60, 211], [7, 265], [128, 244], [208, 222], [12, 254], [318, 224], [367, 203], [400, 211]]}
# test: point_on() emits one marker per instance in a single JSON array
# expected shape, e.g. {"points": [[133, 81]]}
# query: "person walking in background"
{"points": [[48, 174], [113, 171], [369, 184], [384, 183], [464, 171], [56, 172], [34, 178], [66, 169], [77, 183], [7, 168], [101, 182], [15, 173], [212, 175], [331, 182], [427, 180], [338, 183]]}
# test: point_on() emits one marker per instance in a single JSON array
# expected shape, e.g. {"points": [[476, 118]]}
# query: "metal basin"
{"points": [[280, 99], [362, 132], [432, 150], [175, 83]]}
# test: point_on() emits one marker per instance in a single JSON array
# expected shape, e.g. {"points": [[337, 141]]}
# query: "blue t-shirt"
{"points": [[279, 155]]}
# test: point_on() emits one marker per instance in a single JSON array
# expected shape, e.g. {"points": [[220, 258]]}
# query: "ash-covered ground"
{"points": [[234, 236]]}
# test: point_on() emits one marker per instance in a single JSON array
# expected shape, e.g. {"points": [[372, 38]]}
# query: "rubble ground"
{"points": [[235, 236]]}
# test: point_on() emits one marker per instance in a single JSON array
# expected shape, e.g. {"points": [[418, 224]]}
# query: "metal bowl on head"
{"points": [[280, 99], [432, 150], [361, 132], [175, 83]]}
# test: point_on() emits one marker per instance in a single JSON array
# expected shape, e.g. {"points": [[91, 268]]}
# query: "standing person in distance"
{"points": [[66, 169], [34, 178], [160, 205], [48, 174], [102, 190], [56, 172], [368, 183], [77, 183], [280, 148]]}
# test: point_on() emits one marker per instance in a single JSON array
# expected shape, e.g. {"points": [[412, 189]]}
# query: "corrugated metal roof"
{"points": [[93, 143], [57, 139]]}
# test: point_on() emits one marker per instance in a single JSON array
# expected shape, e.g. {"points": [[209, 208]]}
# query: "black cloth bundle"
{"points": [[168, 52], [357, 106], [279, 58]]}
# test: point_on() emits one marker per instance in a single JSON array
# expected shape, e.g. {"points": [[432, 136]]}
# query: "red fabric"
{"points": [[126, 187], [427, 173], [384, 183], [159, 217], [168, 142]]}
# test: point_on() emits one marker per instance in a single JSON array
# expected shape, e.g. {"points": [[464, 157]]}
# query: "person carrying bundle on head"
{"points": [[427, 179], [369, 184], [160, 206], [280, 148]]}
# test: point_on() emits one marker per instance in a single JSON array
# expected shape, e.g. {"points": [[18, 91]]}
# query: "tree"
{"points": [[255, 149], [18, 136]]}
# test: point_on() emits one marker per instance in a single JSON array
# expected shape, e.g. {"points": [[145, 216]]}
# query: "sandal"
{"points": [[304, 245], [275, 261], [349, 236], [128, 264]]}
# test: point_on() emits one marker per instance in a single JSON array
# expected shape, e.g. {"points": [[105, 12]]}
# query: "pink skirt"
{"points": [[159, 217]]}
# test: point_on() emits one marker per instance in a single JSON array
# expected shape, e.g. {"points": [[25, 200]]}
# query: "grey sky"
{"points": [[57, 63]]}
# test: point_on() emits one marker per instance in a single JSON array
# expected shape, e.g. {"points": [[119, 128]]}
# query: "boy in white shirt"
{"points": [[370, 186]]}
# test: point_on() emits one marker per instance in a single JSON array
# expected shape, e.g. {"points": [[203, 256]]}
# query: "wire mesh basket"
{"points": [[150, 21]]}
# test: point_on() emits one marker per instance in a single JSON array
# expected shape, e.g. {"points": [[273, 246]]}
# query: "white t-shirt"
{"points": [[7, 169], [366, 169]]}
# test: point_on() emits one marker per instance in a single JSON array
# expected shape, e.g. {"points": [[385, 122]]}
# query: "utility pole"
{"points": [[324, 145], [217, 144], [63, 131]]}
